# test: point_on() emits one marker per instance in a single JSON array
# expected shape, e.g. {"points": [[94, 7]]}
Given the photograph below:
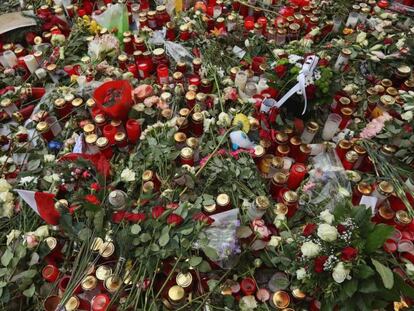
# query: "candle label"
{"points": [[370, 202]]}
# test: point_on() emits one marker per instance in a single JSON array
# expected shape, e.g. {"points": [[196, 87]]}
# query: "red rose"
{"points": [[310, 91], [309, 229], [349, 253], [95, 186], [172, 205], [90, 198], [157, 211], [22, 137], [117, 217], [319, 262], [341, 228], [323, 62], [174, 219], [281, 70], [388, 41], [135, 217], [201, 217]]}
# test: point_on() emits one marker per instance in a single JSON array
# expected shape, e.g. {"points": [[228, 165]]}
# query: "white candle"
{"points": [[240, 80], [352, 20], [40, 73], [10, 58], [331, 126], [31, 63]]}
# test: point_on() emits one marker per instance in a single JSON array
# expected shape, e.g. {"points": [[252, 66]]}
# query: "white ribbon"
{"points": [[307, 70]]}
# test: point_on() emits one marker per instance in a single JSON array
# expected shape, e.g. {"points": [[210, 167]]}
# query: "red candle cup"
{"points": [[162, 73], [144, 70], [63, 283], [296, 176], [50, 273], [133, 129], [100, 302], [248, 286], [109, 132], [51, 303]]}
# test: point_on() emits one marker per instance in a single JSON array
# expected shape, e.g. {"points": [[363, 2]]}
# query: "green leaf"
{"points": [[145, 237], [204, 267], [154, 247], [210, 253], [377, 237], [385, 273], [243, 232], [195, 261], [164, 239], [98, 220], [6, 258], [30, 291], [365, 271], [135, 229], [350, 287], [84, 234], [368, 286]]}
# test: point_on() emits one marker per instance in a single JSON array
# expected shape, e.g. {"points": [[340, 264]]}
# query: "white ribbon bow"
{"points": [[307, 70]]}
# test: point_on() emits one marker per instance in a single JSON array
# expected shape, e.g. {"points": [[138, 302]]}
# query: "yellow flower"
{"points": [[94, 27], [73, 78], [348, 31], [217, 31], [242, 119]]}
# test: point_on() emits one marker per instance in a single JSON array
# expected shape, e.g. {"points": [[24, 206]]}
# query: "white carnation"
{"points": [[274, 241], [248, 303], [49, 157], [407, 116], [14, 234], [301, 274], [326, 216], [42, 232], [327, 232], [340, 273], [4, 185], [310, 249], [127, 175]]}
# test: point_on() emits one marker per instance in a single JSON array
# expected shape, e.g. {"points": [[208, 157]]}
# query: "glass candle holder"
{"points": [[352, 20], [241, 79], [331, 126]]}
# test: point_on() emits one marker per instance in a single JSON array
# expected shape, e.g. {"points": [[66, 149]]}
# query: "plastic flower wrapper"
{"points": [[328, 184], [115, 17], [220, 237], [175, 50]]}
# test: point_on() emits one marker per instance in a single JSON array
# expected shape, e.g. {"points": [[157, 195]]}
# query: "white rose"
{"points": [[327, 232], [7, 209], [224, 119], [326, 216], [410, 268], [407, 116], [4, 185], [6, 196], [280, 219], [127, 175], [340, 273], [310, 249], [248, 303], [49, 157], [274, 241], [14, 234], [42, 232], [301, 274]]}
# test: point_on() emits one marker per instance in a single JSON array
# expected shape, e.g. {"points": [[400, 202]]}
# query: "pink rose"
{"points": [[260, 228], [31, 241]]}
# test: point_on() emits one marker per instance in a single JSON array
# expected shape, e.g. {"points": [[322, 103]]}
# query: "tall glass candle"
{"points": [[162, 73], [331, 126], [31, 63], [10, 58], [133, 130], [352, 20], [109, 132], [241, 79], [296, 176], [342, 59]]}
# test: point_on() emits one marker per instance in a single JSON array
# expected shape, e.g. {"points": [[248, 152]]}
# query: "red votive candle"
{"points": [[162, 72], [249, 24], [144, 70], [133, 129], [134, 70], [50, 273], [109, 132], [248, 286], [100, 302], [194, 80], [296, 176]]}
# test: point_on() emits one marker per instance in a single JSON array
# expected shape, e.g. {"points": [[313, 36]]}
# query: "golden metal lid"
{"points": [[197, 117], [409, 83], [386, 212], [178, 75], [254, 123], [294, 27], [91, 138], [201, 97], [166, 96], [360, 150], [77, 102], [290, 196], [345, 144], [120, 136], [262, 202], [90, 282], [180, 137], [403, 217], [51, 242], [6, 102], [283, 149], [281, 299], [298, 294], [379, 88], [388, 149], [277, 162], [160, 8], [51, 67], [116, 123], [59, 102], [392, 91], [112, 283], [404, 70], [192, 142], [385, 188], [305, 148], [364, 188], [279, 178], [72, 304], [42, 126], [7, 46], [210, 208], [351, 156], [127, 34], [69, 97], [89, 128], [282, 137], [344, 101], [281, 31], [148, 186], [312, 127], [346, 52], [280, 209], [387, 100], [234, 70], [102, 272], [186, 153], [123, 57], [86, 59], [96, 244], [184, 28], [184, 279], [197, 61], [147, 175], [107, 249], [259, 151], [102, 142], [386, 82], [38, 54], [176, 293], [223, 199], [139, 40], [158, 52], [371, 91], [190, 95], [346, 111], [18, 50]]}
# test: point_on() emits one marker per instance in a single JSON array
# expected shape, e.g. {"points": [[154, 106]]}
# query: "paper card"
{"points": [[370, 202], [239, 52], [15, 20]]}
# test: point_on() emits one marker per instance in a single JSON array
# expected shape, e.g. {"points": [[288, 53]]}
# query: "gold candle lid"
{"points": [[123, 57], [346, 111], [77, 102], [90, 282], [201, 97], [190, 95], [404, 70], [386, 83], [192, 142], [346, 52], [100, 119], [298, 294], [265, 143], [280, 209], [113, 283], [305, 148], [176, 293], [197, 61], [89, 128], [107, 249], [223, 199], [180, 137], [387, 100], [148, 187], [344, 101], [120, 136], [386, 212], [197, 117], [403, 218], [259, 151], [210, 208], [392, 91], [158, 52], [72, 304], [177, 75], [51, 242], [147, 175], [69, 97], [279, 178], [91, 138], [184, 279], [312, 127], [42, 126], [90, 102], [59, 102], [283, 149], [103, 272], [290, 196], [281, 299], [385, 188], [388, 150], [187, 153], [295, 141], [360, 150], [262, 202], [351, 156], [277, 162], [102, 142], [364, 188]]}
